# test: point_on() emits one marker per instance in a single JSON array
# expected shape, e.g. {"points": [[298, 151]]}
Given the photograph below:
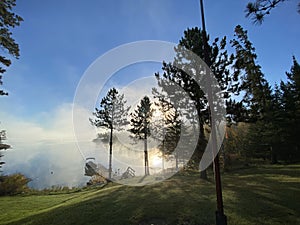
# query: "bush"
{"points": [[13, 184]]}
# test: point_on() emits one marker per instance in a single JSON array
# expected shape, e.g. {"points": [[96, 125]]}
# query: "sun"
{"points": [[156, 161]]}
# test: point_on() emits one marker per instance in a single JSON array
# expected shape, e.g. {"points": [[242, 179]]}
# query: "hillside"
{"points": [[260, 195]]}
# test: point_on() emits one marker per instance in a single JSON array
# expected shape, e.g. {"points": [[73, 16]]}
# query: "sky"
{"points": [[60, 39]]}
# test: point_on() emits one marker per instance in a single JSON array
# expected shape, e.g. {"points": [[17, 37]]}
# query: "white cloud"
{"points": [[56, 126]]}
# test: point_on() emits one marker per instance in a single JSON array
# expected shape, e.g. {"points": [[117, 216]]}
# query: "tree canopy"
{"points": [[219, 63], [258, 9], [111, 115], [9, 47], [140, 125]]}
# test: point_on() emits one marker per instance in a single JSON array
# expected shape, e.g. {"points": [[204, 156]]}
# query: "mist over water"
{"points": [[48, 164], [62, 164]]}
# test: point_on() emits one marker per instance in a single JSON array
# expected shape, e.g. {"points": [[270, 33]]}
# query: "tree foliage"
{"points": [[290, 111], [111, 115], [13, 184], [140, 125], [173, 77], [258, 101], [258, 9], [273, 114], [253, 83], [8, 20]]}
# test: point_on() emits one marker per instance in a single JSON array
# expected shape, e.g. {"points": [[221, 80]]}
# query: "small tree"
{"points": [[111, 115], [140, 121]]}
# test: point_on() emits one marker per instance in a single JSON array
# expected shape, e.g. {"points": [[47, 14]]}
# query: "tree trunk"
{"points": [[201, 145], [163, 158], [110, 154], [273, 156], [146, 156], [176, 161], [203, 175]]}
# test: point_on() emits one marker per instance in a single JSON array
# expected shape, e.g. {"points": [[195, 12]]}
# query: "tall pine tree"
{"points": [[258, 101], [291, 106], [173, 77], [140, 126], [253, 83], [112, 115]]}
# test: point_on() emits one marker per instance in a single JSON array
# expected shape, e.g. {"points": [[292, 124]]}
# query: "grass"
{"points": [[260, 195]]}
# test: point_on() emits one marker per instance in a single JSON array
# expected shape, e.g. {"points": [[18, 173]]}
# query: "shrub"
{"points": [[13, 184]]}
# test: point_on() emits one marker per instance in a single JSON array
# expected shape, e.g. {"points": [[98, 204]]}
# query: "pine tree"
{"points": [[9, 47], [112, 115], [174, 78], [140, 123], [257, 99], [258, 9], [8, 20], [291, 106], [257, 90]]}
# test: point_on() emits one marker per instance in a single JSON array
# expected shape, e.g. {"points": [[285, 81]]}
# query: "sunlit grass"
{"points": [[263, 195]]}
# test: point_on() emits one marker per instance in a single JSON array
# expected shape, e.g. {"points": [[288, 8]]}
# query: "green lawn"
{"points": [[260, 195]]}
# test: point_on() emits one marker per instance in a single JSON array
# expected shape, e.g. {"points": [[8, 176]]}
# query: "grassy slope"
{"points": [[265, 195]]}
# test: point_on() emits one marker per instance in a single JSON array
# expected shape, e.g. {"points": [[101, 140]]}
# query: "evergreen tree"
{"points": [[173, 76], [8, 46], [257, 100], [291, 107], [112, 115], [8, 20], [236, 111], [273, 114], [257, 90], [140, 123], [258, 9]]}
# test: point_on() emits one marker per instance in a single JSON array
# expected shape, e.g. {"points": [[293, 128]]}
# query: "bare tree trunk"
{"points": [[110, 154], [176, 161], [201, 145], [163, 156], [273, 155], [146, 156]]}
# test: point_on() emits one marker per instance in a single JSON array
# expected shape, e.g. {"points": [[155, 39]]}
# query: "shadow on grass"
{"points": [[264, 195], [180, 200]]}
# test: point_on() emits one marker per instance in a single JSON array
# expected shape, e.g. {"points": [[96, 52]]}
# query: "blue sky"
{"points": [[59, 39]]}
